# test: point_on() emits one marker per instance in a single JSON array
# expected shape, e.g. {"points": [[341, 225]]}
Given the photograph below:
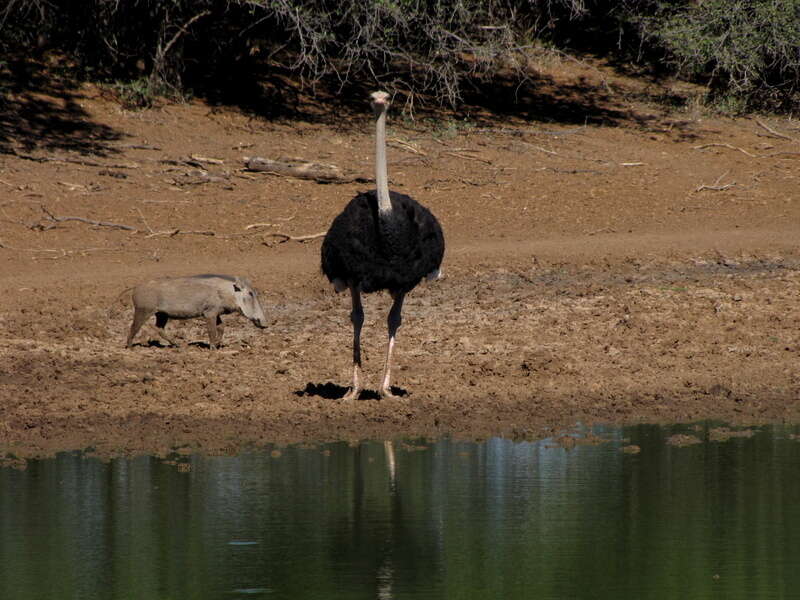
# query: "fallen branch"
{"points": [[467, 156], [57, 219], [773, 132], [771, 155], [570, 171], [76, 161], [136, 146], [407, 146], [204, 159], [703, 146], [302, 169], [146, 224], [255, 225], [174, 232], [294, 238], [716, 187], [781, 155], [601, 230], [539, 148], [64, 253]]}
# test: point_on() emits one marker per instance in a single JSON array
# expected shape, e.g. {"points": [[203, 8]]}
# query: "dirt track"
{"points": [[586, 280]]}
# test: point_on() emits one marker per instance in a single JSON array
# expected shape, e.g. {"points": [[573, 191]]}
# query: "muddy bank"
{"points": [[591, 283]]}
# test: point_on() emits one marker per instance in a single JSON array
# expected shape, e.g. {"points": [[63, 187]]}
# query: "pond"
{"points": [[630, 517]]}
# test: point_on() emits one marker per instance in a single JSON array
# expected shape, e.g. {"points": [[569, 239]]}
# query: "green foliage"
{"points": [[414, 45], [134, 94], [748, 50]]}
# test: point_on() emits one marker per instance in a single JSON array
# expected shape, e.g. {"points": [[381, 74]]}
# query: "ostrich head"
{"points": [[379, 102]]}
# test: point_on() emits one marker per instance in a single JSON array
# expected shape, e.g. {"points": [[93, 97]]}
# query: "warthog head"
{"points": [[248, 303]]}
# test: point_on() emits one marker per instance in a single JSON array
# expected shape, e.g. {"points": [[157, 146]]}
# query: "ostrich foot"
{"points": [[386, 394], [352, 394], [355, 389]]}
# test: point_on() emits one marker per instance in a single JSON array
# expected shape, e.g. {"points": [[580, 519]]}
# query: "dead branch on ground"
{"points": [[136, 147], [716, 187], [742, 150], [467, 156], [773, 132], [771, 155], [570, 171], [601, 230], [302, 169], [205, 159], [64, 253], [77, 161], [174, 232], [54, 220], [556, 133], [407, 146], [294, 238], [539, 148], [146, 224]]}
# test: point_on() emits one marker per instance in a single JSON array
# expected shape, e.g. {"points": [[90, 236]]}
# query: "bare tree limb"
{"points": [[407, 146], [467, 156], [174, 232], [773, 132], [182, 30], [303, 169], [146, 224], [294, 238], [716, 187], [57, 219], [76, 161], [703, 146]]}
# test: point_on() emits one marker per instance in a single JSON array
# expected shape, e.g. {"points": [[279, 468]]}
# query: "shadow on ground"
{"points": [[333, 391], [40, 110]]}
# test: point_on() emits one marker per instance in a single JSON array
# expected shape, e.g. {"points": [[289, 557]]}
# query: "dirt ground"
{"points": [[643, 267]]}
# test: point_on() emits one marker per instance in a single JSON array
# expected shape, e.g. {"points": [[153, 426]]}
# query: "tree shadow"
{"points": [[271, 91], [40, 110], [333, 391]]}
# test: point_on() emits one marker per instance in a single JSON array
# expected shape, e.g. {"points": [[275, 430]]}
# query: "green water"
{"points": [[497, 519]]}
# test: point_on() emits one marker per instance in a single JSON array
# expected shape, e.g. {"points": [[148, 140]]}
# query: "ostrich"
{"points": [[382, 240]]}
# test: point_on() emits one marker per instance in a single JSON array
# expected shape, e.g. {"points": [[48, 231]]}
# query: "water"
{"points": [[454, 520]]}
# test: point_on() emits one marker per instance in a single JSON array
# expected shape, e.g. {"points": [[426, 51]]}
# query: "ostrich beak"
{"points": [[379, 101]]}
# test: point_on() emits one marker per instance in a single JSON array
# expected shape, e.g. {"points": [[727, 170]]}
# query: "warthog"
{"points": [[208, 296]]}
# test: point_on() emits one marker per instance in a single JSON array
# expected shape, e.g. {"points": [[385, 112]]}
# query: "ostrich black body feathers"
{"points": [[393, 252]]}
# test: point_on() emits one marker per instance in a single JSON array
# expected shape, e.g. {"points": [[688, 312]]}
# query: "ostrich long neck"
{"points": [[381, 178]]}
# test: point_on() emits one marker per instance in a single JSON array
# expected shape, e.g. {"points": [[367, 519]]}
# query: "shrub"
{"points": [[747, 50]]}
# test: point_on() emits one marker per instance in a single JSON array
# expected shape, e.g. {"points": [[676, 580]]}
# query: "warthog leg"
{"points": [[139, 317], [161, 323], [215, 329]]}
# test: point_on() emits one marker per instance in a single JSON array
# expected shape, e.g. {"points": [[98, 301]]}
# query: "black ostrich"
{"points": [[382, 240]]}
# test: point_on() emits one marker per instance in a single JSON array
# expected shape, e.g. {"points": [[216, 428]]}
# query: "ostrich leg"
{"points": [[394, 321], [357, 318]]}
